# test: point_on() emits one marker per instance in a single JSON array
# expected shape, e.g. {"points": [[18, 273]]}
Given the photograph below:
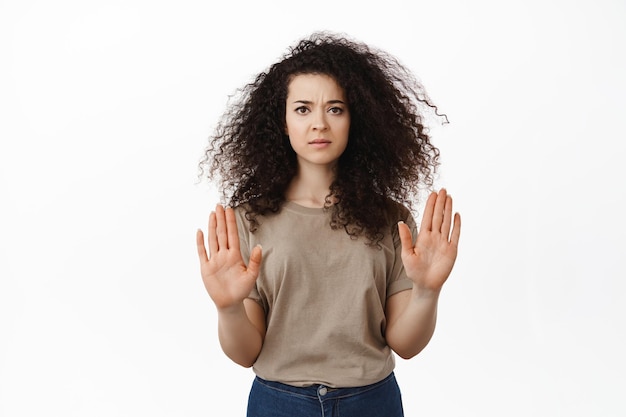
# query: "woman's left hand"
{"points": [[429, 263]]}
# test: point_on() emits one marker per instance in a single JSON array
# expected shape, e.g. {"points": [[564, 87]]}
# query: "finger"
{"points": [[427, 219], [201, 248], [254, 264], [406, 240], [220, 230], [456, 230], [447, 218], [438, 211], [231, 229], [213, 247]]}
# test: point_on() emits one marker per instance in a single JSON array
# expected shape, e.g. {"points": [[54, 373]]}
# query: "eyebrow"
{"points": [[328, 102]]}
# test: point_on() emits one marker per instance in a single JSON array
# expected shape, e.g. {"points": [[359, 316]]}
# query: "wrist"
{"points": [[425, 293], [231, 310]]}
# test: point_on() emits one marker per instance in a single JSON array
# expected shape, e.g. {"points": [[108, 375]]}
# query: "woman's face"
{"points": [[317, 119]]}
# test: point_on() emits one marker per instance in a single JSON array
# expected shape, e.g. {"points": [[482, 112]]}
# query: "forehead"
{"points": [[314, 84]]}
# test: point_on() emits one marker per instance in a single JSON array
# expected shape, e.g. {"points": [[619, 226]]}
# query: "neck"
{"points": [[310, 186]]}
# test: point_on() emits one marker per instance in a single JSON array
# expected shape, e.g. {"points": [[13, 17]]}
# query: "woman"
{"points": [[313, 268]]}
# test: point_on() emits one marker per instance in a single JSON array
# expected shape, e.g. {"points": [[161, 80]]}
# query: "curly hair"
{"points": [[389, 155]]}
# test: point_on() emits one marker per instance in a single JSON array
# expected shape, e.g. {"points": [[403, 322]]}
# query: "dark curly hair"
{"points": [[388, 157]]}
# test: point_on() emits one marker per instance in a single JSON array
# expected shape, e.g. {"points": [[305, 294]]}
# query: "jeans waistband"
{"points": [[317, 390]]}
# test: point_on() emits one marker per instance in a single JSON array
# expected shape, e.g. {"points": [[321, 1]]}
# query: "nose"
{"points": [[319, 122]]}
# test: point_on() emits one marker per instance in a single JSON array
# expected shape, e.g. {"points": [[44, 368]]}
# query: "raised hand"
{"points": [[226, 278], [430, 261]]}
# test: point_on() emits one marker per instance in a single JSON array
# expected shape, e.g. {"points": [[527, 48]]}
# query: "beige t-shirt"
{"points": [[324, 297]]}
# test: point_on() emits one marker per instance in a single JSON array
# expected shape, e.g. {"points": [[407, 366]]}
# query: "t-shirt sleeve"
{"points": [[244, 245], [398, 281]]}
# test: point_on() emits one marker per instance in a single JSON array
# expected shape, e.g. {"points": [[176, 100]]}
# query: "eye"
{"points": [[302, 110], [335, 110]]}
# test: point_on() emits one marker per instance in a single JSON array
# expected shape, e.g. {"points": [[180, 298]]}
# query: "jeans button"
{"points": [[323, 391]]}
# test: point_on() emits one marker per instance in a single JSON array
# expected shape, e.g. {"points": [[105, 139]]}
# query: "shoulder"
{"points": [[241, 209], [398, 212], [253, 214], [242, 216]]}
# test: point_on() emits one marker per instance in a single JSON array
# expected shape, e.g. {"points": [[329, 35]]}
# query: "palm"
{"points": [[226, 278], [430, 261]]}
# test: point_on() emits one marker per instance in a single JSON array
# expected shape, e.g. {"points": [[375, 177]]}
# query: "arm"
{"points": [[241, 330], [412, 315], [411, 318], [241, 321]]}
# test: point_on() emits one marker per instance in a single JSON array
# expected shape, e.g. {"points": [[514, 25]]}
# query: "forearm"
{"points": [[413, 328], [241, 341]]}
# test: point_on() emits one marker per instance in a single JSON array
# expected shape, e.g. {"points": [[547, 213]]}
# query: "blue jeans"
{"points": [[273, 399]]}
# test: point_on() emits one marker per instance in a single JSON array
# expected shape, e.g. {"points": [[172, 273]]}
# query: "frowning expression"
{"points": [[317, 119]]}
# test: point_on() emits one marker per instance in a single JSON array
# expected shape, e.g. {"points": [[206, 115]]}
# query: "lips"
{"points": [[319, 141]]}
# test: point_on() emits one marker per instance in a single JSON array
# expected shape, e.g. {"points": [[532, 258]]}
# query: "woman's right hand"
{"points": [[226, 278]]}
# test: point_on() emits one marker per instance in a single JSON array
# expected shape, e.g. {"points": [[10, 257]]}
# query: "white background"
{"points": [[105, 109]]}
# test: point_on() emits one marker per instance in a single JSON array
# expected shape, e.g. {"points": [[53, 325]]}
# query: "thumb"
{"points": [[255, 261]]}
